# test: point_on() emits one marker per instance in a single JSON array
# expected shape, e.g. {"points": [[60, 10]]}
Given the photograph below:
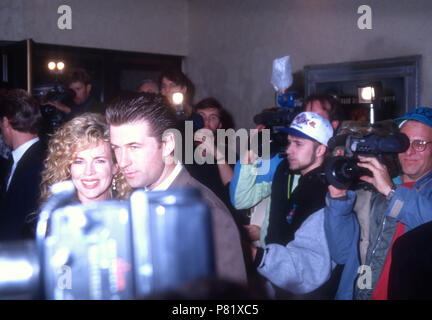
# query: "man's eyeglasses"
{"points": [[419, 145]]}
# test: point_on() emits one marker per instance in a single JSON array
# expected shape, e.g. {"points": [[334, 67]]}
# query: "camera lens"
{"points": [[341, 172]]}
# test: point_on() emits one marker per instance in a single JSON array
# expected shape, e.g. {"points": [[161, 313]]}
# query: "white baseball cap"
{"points": [[311, 125]]}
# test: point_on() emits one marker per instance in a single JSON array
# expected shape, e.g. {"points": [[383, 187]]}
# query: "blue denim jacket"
{"points": [[412, 207]]}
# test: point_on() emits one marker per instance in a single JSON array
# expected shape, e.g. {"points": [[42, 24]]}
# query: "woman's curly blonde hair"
{"points": [[76, 135]]}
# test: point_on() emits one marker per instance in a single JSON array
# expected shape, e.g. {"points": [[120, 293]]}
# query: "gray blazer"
{"points": [[227, 244]]}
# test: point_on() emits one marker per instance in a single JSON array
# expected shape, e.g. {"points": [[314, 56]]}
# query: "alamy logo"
{"points": [[365, 20], [65, 279], [65, 20], [364, 281]]}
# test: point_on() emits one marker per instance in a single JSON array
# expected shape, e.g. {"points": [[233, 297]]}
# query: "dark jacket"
{"points": [[23, 194], [290, 209]]}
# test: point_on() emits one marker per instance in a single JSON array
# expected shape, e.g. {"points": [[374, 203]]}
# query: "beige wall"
{"points": [[153, 26], [230, 44], [233, 43]]}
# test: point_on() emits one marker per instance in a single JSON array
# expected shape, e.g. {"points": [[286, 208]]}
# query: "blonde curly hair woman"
{"points": [[80, 151]]}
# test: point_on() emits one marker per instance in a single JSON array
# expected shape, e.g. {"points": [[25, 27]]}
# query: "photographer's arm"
{"points": [[60, 106], [412, 207], [341, 226], [246, 187], [303, 264]]}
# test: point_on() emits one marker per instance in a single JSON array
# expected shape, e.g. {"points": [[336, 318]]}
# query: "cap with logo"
{"points": [[310, 125]]}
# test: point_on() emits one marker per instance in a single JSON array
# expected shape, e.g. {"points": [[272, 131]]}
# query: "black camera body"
{"points": [[53, 118], [343, 171], [274, 120], [155, 242]]}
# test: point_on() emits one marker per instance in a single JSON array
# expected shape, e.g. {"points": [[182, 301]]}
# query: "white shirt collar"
{"points": [[19, 152], [169, 180]]}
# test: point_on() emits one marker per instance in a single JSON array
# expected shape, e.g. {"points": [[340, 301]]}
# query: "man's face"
{"points": [[323, 110], [301, 154], [317, 107], [211, 119], [168, 88], [139, 155], [148, 87], [416, 164], [82, 91]]}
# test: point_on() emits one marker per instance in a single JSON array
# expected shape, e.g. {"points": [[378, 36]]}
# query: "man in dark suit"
{"points": [[145, 153], [20, 123]]}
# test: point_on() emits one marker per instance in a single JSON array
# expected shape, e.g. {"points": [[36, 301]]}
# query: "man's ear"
{"points": [[321, 150], [168, 144], [5, 123], [88, 88]]}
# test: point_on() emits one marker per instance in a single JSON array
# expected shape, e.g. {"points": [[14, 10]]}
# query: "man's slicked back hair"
{"points": [[145, 106], [22, 111]]}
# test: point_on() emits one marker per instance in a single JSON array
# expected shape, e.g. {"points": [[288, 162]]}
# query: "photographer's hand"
{"points": [[336, 192], [381, 179], [60, 106]]}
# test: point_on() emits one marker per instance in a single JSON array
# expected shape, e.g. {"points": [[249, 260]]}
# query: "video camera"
{"points": [[155, 242], [275, 119], [383, 141], [45, 94]]}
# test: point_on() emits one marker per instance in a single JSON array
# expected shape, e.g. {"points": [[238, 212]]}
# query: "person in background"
{"points": [[21, 122], [248, 189], [79, 81], [148, 85], [174, 81], [393, 208], [218, 174]]}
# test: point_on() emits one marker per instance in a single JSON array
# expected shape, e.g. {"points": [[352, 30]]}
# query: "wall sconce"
{"points": [[56, 67]]}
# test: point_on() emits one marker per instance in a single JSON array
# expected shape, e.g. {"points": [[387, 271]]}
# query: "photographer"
{"points": [[79, 81], [306, 151], [248, 190], [352, 219]]}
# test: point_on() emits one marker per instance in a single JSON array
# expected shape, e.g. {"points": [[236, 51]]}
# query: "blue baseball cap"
{"points": [[423, 115]]}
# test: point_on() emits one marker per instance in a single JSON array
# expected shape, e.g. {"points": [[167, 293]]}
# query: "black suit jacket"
{"points": [[23, 194]]}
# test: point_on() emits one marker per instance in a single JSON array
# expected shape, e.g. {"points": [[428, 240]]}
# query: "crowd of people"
{"points": [[286, 233]]}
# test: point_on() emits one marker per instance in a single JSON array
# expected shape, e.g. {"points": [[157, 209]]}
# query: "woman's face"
{"points": [[92, 171]]}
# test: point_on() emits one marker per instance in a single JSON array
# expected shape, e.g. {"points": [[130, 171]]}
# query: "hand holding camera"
{"points": [[380, 178]]}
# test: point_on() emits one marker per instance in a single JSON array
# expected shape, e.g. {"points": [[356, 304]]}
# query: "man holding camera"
{"points": [[385, 214], [144, 148], [307, 149], [79, 81], [248, 189]]}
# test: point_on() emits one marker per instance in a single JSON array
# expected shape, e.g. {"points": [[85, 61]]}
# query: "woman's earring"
{"points": [[114, 184]]}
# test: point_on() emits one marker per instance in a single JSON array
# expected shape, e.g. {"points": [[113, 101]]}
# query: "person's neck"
{"points": [[168, 169], [406, 178], [313, 166], [19, 138]]}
